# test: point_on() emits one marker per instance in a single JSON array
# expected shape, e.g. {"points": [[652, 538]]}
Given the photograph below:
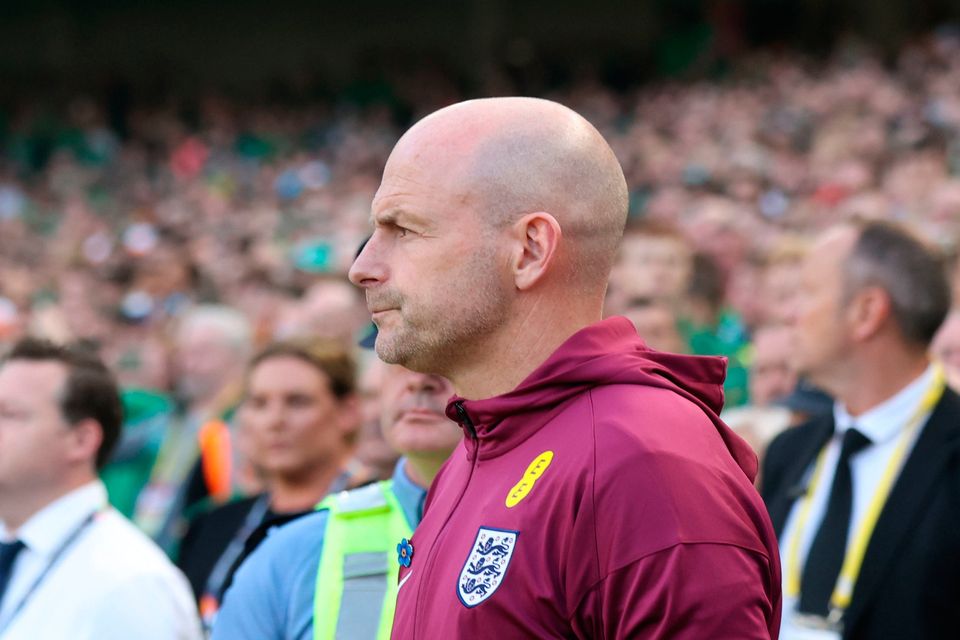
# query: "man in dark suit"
{"points": [[866, 501]]}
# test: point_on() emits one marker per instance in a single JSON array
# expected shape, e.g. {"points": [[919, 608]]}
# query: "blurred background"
{"points": [[165, 160]]}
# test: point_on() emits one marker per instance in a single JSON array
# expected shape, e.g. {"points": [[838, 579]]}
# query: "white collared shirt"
{"points": [[110, 583], [882, 425]]}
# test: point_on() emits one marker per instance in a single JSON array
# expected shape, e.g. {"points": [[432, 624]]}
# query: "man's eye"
{"points": [[402, 232], [299, 401]]}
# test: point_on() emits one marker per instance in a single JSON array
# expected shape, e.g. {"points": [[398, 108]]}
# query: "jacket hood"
{"points": [[605, 353]]}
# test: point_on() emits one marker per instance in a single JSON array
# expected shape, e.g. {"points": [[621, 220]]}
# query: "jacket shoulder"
{"points": [[636, 409]]}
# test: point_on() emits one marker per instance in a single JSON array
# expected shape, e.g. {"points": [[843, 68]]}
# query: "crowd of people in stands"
{"points": [[179, 243]]}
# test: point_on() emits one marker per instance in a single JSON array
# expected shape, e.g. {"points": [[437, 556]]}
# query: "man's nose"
{"points": [[428, 383], [277, 413], [367, 269]]}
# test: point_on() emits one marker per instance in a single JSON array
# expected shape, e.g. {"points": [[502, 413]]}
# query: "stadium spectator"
{"points": [[864, 499], [275, 594], [710, 327], [373, 451], [297, 426], [70, 566], [333, 308], [197, 460], [771, 365], [654, 262], [656, 322], [781, 280]]}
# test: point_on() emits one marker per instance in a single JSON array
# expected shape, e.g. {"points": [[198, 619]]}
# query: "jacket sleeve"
{"points": [[686, 592]]}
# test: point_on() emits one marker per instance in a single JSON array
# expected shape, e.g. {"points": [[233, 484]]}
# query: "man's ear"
{"points": [[868, 311], [84, 440], [537, 237]]}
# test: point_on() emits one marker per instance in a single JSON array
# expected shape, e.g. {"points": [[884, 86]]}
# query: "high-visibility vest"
{"points": [[356, 593]]}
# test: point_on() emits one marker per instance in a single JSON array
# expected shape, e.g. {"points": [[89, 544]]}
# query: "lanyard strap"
{"points": [[219, 573], [54, 559], [853, 560]]}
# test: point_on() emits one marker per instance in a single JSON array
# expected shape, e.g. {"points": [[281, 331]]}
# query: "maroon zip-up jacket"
{"points": [[601, 498]]}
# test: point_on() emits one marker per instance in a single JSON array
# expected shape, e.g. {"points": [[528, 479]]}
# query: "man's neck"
{"points": [[302, 492], [502, 363], [15, 511], [215, 403], [421, 470], [872, 383]]}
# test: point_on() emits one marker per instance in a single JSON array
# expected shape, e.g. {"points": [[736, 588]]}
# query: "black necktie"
{"points": [[830, 544], [8, 554]]}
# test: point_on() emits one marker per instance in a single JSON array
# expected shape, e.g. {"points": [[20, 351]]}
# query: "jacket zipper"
{"points": [[464, 419]]}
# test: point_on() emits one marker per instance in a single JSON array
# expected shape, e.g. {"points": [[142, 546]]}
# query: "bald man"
{"points": [[595, 494]]}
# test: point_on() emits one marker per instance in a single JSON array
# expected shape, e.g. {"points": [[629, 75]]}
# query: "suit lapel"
{"points": [[793, 478], [920, 473]]}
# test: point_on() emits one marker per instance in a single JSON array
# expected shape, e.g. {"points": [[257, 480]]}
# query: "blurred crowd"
{"points": [[179, 238]]}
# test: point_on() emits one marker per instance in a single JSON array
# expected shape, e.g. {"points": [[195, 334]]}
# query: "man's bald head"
{"points": [[506, 157], [495, 228]]}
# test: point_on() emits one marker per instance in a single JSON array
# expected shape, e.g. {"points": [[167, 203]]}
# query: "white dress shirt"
{"points": [[883, 425], [110, 583]]}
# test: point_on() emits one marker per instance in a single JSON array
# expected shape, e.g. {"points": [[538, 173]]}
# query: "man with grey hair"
{"points": [[595, 493], [865, 499], [212, 344]]}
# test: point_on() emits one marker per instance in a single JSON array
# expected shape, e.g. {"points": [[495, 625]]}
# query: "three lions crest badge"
{"points": [[486, 565]]}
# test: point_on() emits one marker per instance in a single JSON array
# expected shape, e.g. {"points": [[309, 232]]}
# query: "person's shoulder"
{"points": [[274, 586], [293, 543], [797, 435], [230, 515], [613, 401], [114, 541], [116, 557], [949, 405], [231, 508], [666, 453]]}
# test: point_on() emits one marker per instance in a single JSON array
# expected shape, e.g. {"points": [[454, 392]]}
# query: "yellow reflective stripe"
{"points": [[853, 559], [329, 584]]}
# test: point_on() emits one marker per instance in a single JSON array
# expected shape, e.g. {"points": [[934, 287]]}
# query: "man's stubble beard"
{"points": [[437, 337]]}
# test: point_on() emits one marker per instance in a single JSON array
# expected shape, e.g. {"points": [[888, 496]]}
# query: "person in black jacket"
{"points": [[866, 500]]}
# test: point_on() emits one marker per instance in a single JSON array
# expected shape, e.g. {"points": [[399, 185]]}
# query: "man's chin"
{"points": [[387, 353], [394, 351]]}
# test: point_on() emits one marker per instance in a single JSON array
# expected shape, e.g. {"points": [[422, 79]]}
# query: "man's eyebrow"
{"points": [[397, 216]]}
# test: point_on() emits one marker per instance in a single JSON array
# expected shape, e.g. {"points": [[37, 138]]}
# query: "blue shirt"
{"points": [[271, 597]]}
